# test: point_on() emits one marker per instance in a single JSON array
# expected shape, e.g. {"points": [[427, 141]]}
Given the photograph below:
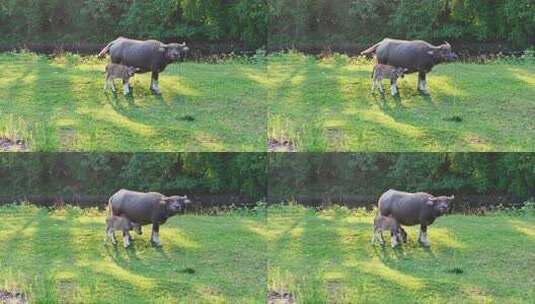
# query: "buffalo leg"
{"points": [[111, 235], [137, 228], [422, 82], [381, 238], [126, 238], [154, 83], [394, 239], [106, 85], [155, 238], [394, 87], [422, 238], [403, 234], [374, 238], [126, 87], [394, 235]]}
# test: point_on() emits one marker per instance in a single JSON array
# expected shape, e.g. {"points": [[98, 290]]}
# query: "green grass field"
{"points": [[326, 105], [327, 258], [59, 105], [312, 105], [61, 257], [317, 257]]}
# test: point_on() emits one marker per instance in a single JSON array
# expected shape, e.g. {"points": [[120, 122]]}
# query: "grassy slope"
{"points": [[328, 257], [60, 105], [61, 257], [325, 105]]}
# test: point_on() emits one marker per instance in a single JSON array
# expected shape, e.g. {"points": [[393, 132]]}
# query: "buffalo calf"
{"points": [[387, 223], [382, 71], [123, 224]]}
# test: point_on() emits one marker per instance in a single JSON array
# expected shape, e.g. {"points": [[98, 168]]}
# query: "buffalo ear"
{"points": [[431, 53], [162, 47], [451, 197], [430, 201]]}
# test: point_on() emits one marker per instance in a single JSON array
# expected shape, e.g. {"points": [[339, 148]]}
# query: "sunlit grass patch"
{"points": [[326, 257], [204, 107], [489, 105], [60, 255]]}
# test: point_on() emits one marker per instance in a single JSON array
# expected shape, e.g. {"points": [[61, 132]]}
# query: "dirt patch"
{"points": [[335, 137], [12, 297], [8, 145], [275, 297], [67, 136], [284, 145], [67, 290]]}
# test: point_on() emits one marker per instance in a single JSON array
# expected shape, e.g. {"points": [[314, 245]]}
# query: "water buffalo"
{"points": [[147, 208], [148, 56], [416, 56], [413, 209]]}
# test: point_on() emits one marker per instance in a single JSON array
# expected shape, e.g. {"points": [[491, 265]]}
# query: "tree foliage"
{"points": [[372, 173], [56, 174], [101, 20], [367, 21], [257, 23]]}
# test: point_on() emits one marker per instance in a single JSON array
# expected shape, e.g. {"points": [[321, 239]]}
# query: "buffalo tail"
{"points": [[109, 207], [371, 49], [105, 50]]}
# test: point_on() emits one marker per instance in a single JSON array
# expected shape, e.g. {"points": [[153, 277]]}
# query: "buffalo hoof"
{"points": [[404, 236], [155, 92], [425, 244], [155, 244], [426, 93]]}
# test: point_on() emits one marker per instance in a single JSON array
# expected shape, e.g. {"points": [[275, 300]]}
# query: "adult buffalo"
{"points": [[416, 56], [148, 56], [147, 208], [412, 209]]}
